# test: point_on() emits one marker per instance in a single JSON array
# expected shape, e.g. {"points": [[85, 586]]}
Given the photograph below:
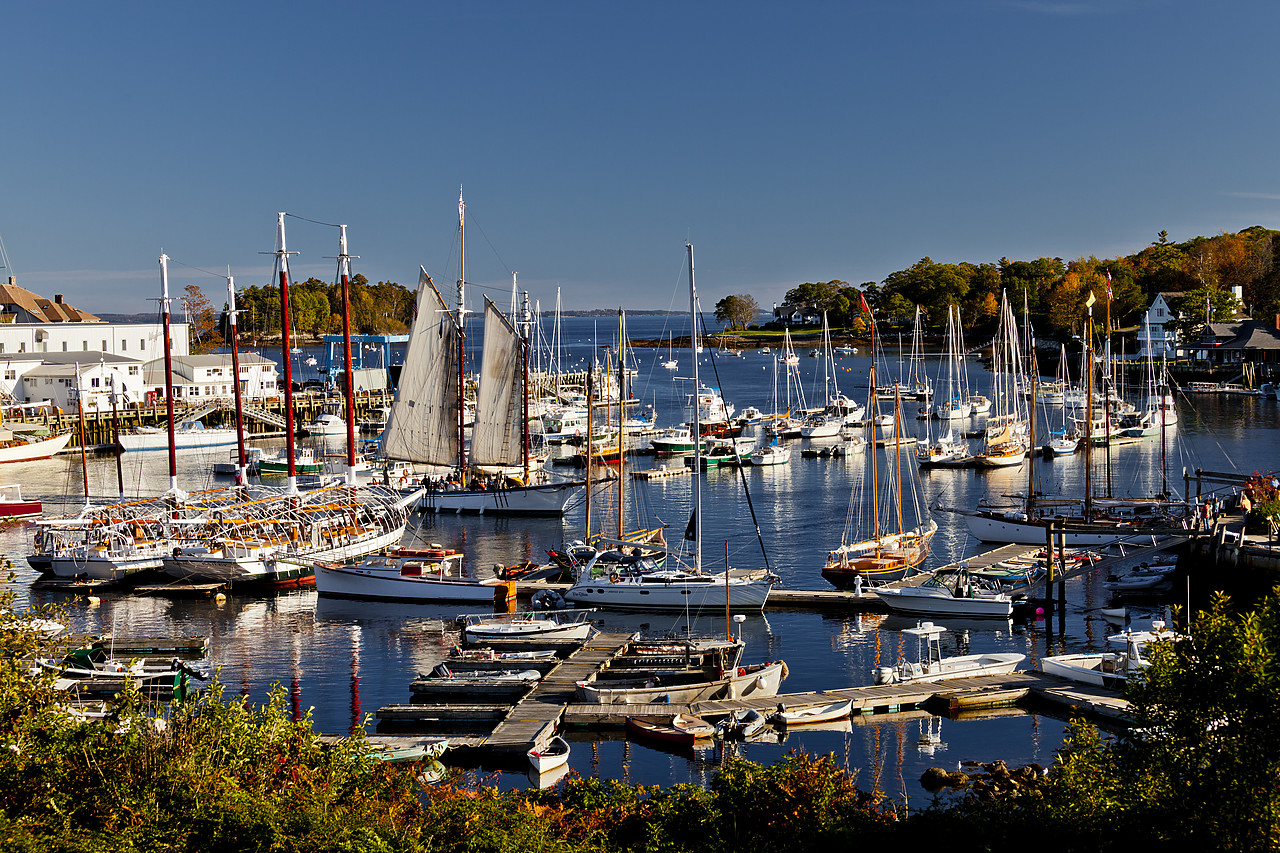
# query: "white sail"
{"points": [[423, 424], [497, 437]]}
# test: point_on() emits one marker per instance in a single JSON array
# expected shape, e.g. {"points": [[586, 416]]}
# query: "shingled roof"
{"points": [[19, 305]]}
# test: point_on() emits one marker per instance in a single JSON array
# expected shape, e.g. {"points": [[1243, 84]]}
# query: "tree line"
{"points": [[315, 309], [1198, 277]]}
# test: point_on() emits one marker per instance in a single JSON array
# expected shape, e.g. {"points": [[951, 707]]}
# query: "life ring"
{"points": [[742, 670], [615, 577]]}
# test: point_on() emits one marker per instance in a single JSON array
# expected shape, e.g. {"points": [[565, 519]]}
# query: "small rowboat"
{"points": [[553, 755], [682, 729], [785, 716]]}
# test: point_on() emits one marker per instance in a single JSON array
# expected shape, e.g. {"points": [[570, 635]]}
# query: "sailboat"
{"points": [[948, 450], [426, 421], [1159, 411], [838, 410], [1005, 443], [1083, 523], [1064, 441], [869, 548], [639, 584]]}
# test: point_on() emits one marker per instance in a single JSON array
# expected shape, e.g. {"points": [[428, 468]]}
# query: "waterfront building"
{"points": [[205, 378], [1157, 336]]}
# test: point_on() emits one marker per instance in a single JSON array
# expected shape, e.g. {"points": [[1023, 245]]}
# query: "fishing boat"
{"points": [[426, 424], [887, 534], [277, 464], [966, 597], [643, 585], [554, 754], [1099, 669], [404, 574], [930, 665], [719, 452], [681, 729]]}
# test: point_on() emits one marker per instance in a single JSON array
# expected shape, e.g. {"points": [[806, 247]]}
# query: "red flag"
{"points": [[866, 309]]}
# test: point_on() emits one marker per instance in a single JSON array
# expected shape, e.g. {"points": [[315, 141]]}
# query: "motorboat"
{"points": [[1100, 669], [930, 665], [327, 424], [187, 435], [783, 716], [741, 724], [937, 596], [771, 454], [479, 629], [402, 574], [14, 506]]}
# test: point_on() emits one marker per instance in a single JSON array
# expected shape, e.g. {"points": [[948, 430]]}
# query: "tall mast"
{"points": [[697, 419], [168, 372], [232, 315], [621, 432], [115, 433], [872, 410], [1088, 416], [84, 451], [524, 383], [461, 312], [286, 346], [348, 386]]}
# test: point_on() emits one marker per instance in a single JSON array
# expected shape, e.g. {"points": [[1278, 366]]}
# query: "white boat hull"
{"points": [[104, 568], [632, 593], [262, 563], [1100, 669], [183, 439], [39, 449], [987, 529], [920, 601], [963, 666], [351, 582]]}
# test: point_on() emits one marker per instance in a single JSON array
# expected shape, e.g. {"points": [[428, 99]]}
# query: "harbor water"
{"points": [[342, 660]]}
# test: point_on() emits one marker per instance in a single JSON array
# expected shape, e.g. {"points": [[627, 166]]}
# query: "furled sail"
{"points": [[423, 424], [497, 437]]}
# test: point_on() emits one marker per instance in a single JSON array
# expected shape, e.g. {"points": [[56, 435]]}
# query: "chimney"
{"points": [[13, 279], [57, 299]]}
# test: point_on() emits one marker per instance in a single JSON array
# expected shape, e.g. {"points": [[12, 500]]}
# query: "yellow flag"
{"points": [[1088, 303]]}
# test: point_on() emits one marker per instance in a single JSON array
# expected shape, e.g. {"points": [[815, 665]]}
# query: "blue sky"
{"points": [[789, 142]]}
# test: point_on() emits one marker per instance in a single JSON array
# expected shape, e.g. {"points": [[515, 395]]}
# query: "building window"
{"points": [[142, 345], [22, 347], [84, 345], [133, 370], [64, 346], [124, 345], [11, 374], [104, 346], [95, 382]]}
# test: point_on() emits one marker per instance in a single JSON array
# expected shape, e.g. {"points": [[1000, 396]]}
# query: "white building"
{"points": [[1157, 335], [203, 378], [37, 379], [31, 324]]}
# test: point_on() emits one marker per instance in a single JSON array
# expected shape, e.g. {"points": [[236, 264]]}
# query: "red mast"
{"points": [[168, 372], [282, 258]]}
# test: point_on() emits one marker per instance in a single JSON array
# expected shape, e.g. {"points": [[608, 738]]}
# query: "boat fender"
{"points": [[615, 578]]}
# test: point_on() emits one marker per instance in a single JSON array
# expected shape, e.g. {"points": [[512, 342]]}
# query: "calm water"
{"points": [[345, 659]]}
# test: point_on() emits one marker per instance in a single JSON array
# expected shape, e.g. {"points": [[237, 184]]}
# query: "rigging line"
{"points": [[220, 275], [741, 473], [313, 221], [471, 219]]}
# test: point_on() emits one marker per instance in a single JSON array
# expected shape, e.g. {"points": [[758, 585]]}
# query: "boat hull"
{"points": [[183, 439], [640, 594], [754, 682], [919, 602], [547, 499], [989, 529], [25, 451], [347, 583]]}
